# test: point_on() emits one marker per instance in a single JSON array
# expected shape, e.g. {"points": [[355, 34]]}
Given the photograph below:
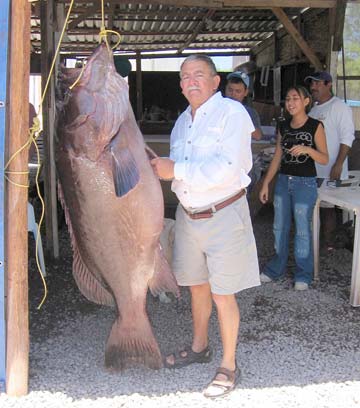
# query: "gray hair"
{"points": [[201, 57]]}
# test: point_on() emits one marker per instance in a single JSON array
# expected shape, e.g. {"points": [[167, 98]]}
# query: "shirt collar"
{"points": [[207, 106]]}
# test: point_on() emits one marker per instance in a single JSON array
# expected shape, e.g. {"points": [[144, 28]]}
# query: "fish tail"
{"points": [[132, 342]]}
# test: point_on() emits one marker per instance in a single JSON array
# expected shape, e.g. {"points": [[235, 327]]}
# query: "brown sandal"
{"points": [[218, 387], [187, 356]]}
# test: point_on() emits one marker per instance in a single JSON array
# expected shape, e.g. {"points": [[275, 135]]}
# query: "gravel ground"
{"points": [[296, 349]]}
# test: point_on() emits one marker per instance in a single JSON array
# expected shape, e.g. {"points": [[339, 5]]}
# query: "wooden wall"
{"points": [[282, 51]]}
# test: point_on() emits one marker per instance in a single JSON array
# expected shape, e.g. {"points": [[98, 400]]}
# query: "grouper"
{"points": [[113, 205]]}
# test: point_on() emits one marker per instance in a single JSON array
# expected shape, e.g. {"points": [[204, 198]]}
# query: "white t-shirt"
{"points": [[339, 129], [212, 153]]}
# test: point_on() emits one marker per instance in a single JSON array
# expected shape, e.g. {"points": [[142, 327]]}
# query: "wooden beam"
{"points": [[90, 11], [4, 69], [297, 37], [48, 113], [139, 98], [280, 3], [94, 31], [17, 361], [339, 25], [131, 55], [228, 3], [110, 13]]}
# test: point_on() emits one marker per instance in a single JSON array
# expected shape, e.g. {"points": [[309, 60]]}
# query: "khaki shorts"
{"points": [[220, 250]]}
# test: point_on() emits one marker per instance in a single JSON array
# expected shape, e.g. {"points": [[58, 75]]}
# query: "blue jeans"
{"points": [[293, 196]]}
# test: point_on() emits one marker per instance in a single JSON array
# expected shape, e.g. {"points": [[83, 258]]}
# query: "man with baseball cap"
{"points": [[237, 88], [339, 129]]}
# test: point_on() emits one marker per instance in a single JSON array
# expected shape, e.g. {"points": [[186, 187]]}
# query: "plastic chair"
{"points": [[33, 227]]}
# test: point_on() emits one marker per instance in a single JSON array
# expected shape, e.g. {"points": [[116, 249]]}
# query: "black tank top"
{"points": [[303, 165]]}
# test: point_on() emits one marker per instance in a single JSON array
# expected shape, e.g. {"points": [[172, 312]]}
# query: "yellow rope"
{"points": [[78, 78], [35, 130], [104, 32], [34, 133], [102, 35], [57, 51]]}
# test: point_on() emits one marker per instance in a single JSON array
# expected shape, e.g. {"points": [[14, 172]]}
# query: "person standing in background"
{"points": [[300, 144], [237, 88], [339, 130], [214, 248]]}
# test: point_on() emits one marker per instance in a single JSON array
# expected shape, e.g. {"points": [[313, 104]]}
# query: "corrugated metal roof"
{"points": [[162, 28]]}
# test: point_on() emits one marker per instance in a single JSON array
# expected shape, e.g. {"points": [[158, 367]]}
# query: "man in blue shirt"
{"points": [[237, 88]]}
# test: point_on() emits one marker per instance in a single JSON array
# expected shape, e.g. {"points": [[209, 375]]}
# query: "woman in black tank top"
{"points": [[300, 143]]}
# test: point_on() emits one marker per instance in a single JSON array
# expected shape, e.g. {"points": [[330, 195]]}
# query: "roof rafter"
{"points": [[228, 3]]}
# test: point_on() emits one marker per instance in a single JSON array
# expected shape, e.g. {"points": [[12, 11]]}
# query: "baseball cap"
{"points": [[239, 75], [319, 76]]}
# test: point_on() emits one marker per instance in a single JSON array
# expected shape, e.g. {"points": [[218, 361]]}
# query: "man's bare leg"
{"points": [[229, 322], [201, 307]]}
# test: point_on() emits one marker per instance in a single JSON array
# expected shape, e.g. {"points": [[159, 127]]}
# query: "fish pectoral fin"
{"points": [[163, 279], [125, 171]]}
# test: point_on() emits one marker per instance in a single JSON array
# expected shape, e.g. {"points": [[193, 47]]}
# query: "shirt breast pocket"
{"points": [[207, 143], [177, 150]]}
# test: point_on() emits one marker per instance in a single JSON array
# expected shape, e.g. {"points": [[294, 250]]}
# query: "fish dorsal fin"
{"points": [[87, 283], [125, 171]]}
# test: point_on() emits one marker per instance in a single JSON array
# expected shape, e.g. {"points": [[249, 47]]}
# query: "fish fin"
{"points": [[163, 279], [131, 341], [125, 171], [88, 285]]}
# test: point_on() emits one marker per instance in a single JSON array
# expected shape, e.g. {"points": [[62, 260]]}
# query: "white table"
{"points": [[348, 198]]}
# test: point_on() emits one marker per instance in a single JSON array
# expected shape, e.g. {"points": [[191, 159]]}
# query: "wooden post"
{"points": [[48, 112], [139, 100], [17, 361], [4, 46]]}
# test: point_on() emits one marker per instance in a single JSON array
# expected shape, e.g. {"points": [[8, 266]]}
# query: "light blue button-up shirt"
{"points": [[212, 152]]}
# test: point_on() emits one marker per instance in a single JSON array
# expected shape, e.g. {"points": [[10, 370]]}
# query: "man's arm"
{"points": [[347, 130], [336, 169], [256, 134]]}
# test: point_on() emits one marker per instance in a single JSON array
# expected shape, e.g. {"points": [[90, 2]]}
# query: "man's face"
{"points": [[236, 91], [198, 83], [320, 91]]}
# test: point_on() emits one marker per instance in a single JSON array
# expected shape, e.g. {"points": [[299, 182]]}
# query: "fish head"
{"points": [[94, 103]]}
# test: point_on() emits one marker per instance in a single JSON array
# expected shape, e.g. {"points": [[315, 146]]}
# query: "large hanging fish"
{"points": [[113, 204]]}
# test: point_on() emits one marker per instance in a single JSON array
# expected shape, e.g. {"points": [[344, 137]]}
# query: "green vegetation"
{"points": [[352, 53]]}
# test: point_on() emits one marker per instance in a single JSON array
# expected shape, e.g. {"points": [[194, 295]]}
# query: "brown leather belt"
{"points": [[208, 213]]}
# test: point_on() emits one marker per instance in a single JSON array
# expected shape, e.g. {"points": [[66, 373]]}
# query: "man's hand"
{"points": [[336, 169], [335, 172], [163, 168]]}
